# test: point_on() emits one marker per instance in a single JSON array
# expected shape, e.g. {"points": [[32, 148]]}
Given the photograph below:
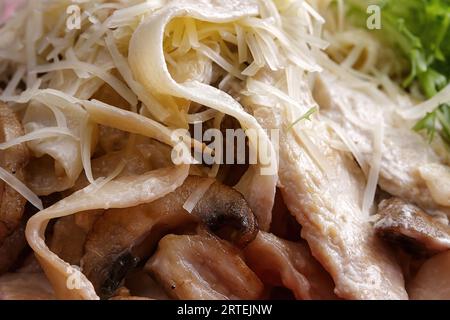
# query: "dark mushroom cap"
{"points": [[122, 237], [409, 227]]}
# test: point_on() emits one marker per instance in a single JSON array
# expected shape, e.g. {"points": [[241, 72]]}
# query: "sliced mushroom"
{"points": [[122, 237], [13, 160], [408, 226], [202, 267]]}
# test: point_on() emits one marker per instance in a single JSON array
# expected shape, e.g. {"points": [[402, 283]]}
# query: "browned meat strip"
{"points": [[30, 265], [110, 96], [141, 284], [202, 267], [15, 245], [121, 237], [279, 262], [69, 236], [14, 160], [410, 227], [11, 248], [432, 281], [124, 294], [111, 139]]}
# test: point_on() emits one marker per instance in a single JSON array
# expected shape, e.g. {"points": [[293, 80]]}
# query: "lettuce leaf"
{"points": [[420, 31]]}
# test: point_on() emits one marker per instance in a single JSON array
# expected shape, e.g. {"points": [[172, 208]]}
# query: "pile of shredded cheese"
{"points": [[163, 65], [48, 65]]}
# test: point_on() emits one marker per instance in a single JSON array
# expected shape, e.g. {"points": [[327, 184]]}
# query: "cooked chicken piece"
{"points": [[322, 188], [406, 156], [125, 298], [124, 294], [15, 245], [136, 164], [11, 248], [111, 139], [108, 95], [202, 267], [279, 262], [13, 160], [25, 286], [69, 236], [121, 237], [146, 156], [141, 284], [30, 265], [411, 228], [432, 282]]}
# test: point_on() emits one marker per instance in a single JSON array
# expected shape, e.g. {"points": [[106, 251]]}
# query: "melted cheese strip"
{"points": [[121, 193], [147, 61], [420, 110], [87, 63], [64, 149]]}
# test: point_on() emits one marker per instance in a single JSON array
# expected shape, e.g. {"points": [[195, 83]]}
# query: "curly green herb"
{"points": [[420, 31]]}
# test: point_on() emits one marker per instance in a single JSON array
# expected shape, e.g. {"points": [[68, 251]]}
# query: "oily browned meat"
{"points": [[202, 267], [124, 294], [13, 160], [141, 284], [12, 247], [121, 237], [409, 227], [279, 262], [111, 139], [69, 236], [15, 245], [432, 281], [108, 249]]}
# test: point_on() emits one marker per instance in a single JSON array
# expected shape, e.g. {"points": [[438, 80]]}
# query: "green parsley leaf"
{"points": [[306, 116], [420, 31]]}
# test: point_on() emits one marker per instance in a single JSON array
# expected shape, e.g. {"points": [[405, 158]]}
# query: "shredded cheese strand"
{"points": [[21, 188]]}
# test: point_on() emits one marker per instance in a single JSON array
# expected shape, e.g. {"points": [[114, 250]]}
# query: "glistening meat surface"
{"points": [[203, 267], [122, 237], [326, 200], [409, 167], [278, 262]]}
